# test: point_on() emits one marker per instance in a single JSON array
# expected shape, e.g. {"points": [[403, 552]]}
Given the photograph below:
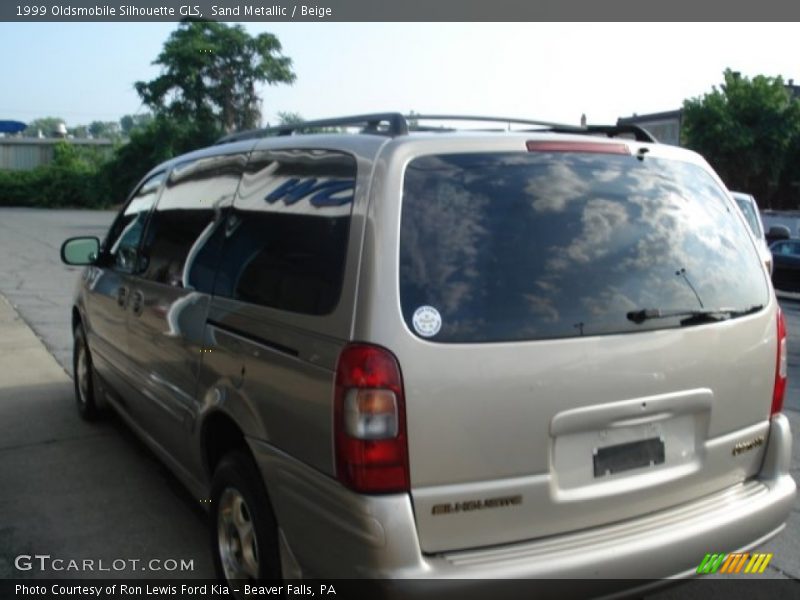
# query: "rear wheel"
{"points": [[83, 376], [244, 535]]}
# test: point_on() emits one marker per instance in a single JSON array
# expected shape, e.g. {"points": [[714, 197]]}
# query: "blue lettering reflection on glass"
{"points": [[295, 189]]}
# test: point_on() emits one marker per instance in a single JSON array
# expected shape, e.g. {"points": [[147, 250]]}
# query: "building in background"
{"points": [[793, 89], [665, 126], [23, 154]]}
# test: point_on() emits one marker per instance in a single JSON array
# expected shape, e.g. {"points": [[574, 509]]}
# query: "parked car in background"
{"points": [[426, 353], [777, 233], [749, 207], [786, 260], [780, 223]]}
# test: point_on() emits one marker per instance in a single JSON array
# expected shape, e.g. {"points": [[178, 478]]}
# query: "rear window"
{"points": [[500, 247]]}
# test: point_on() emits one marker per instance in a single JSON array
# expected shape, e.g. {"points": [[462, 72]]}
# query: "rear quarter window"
{"points": [[550, 245], [286, 239]]}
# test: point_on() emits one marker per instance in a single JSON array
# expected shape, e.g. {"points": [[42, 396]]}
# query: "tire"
{"points": [[83, 377], [244, 534]]}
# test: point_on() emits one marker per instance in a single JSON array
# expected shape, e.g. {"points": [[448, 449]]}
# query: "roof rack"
{"points": [[640, 133], [396, 124], [507, 120]]}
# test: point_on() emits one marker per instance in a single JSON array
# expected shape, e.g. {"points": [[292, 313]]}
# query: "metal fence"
{"points": [[24, 154]]}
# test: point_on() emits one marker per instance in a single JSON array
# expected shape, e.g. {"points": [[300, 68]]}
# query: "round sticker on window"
{"points": [[427, 321]]}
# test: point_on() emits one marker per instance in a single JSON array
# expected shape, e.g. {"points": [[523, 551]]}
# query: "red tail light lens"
{"points": [[370, 421], [594, 147], [779, 391]]}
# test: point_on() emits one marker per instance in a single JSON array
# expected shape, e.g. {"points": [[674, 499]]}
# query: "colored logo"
{"points": [[736, 562], [331, 192]]}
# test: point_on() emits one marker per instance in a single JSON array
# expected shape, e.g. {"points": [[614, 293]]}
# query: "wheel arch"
{"points": [[219, 435], [77, 318]]}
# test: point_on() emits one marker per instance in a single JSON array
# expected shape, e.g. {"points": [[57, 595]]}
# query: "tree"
{"points": [[788, 194], [79, 131], [209, 75], [47, 125], [295, 118], [151, 144], [105, 129], [130, 122], [746, 130], [289, 118]]}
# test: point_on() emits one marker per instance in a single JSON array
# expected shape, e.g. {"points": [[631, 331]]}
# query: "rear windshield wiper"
{"points": [[693, 316]]}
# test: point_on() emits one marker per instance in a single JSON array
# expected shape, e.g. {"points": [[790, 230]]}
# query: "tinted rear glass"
{"points": [[550, 245], [286, 239]]}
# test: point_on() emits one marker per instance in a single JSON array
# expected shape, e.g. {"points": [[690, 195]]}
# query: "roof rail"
{"points": [[639, 133], [395, 124], [506, 120], [371, 123]]}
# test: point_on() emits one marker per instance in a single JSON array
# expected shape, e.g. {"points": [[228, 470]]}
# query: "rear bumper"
{"points": [[334, 533], [666, 544]]}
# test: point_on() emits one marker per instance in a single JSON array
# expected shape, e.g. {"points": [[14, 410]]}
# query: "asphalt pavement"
{"points": [[76, 490], [32, 276], [69, 489]]}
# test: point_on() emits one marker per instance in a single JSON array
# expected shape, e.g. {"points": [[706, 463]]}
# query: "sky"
{"points": [[549, 71]]}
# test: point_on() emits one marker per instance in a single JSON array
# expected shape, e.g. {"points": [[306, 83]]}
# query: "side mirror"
{"points": [[80, 251]]}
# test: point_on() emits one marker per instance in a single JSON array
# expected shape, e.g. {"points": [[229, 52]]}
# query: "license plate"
{"points": [[623, 457]]}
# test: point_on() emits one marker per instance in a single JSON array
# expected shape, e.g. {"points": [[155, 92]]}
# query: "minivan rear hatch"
{"points": [[589, 336]]}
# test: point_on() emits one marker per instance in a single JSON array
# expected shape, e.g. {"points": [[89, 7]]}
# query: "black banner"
{"points": [[750, 587], [405, 11]]}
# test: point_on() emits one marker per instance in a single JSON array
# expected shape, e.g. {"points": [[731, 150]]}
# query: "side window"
{"points": [[286, 240], [123, 239], [183, 238]]}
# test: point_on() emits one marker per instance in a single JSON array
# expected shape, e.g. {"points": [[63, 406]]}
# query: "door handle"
{"points": [[122, 296], [137, 302]]}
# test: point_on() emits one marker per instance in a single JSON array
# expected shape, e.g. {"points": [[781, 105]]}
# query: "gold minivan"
{"points": [[403, 351]]}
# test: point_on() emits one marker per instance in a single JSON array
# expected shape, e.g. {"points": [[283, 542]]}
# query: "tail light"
{"points": [[370, 421], [779, 391], [566, 146]]}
